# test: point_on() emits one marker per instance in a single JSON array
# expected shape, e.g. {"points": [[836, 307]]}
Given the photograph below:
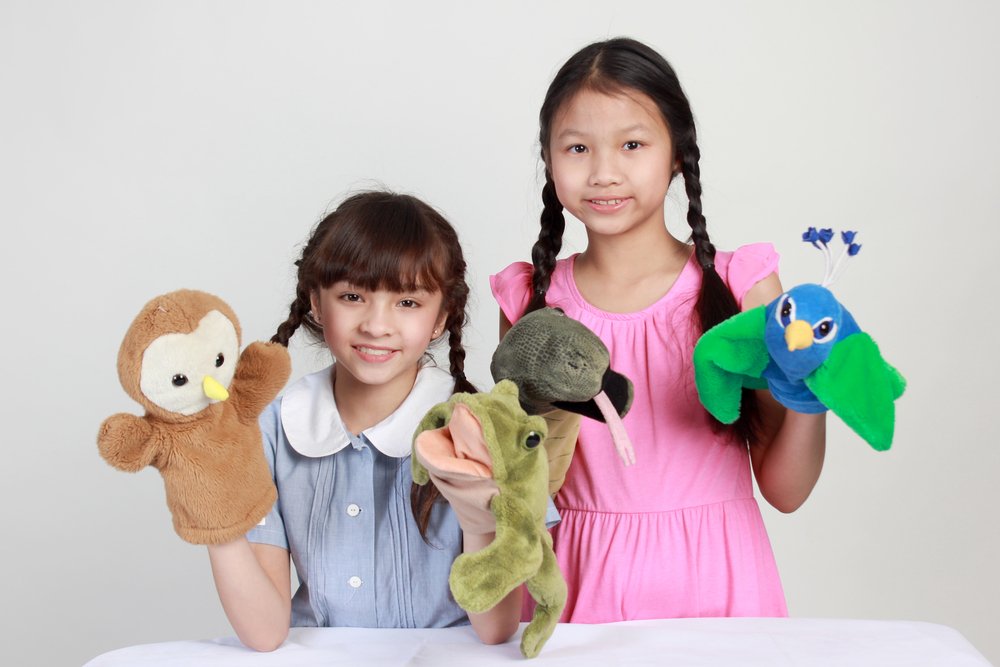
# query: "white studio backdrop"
{"points": [[148, 146]]}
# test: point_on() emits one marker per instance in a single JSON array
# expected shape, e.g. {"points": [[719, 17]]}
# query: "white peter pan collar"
{"points": [[314, 428]]}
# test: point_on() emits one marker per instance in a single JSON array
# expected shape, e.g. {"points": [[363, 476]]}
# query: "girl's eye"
{"points": [[408, 303], [631, 145], [578, 148], [351, 296], [219, 360]]}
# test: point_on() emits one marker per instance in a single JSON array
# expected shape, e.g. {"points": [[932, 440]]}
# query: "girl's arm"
{"points": [[501, 622], [254, 585], [788, 456], [505, 325]]}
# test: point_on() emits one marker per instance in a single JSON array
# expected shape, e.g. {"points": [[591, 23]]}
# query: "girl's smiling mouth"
{"points": [[374, 354], [608, 204]]}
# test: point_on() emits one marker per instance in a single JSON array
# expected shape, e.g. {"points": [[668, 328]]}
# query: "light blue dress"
{"points": [[343, 512]]}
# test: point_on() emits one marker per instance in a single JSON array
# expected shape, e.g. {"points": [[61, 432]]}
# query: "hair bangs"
{"points": [[388, 249]]}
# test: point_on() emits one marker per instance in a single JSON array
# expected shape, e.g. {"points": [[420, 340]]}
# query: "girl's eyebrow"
{"points": [[638, 127], [569, 133], [417, 290]]}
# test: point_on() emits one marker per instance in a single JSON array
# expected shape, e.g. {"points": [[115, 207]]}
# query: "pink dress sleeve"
{"points": [[512, 289], [748, 266]]}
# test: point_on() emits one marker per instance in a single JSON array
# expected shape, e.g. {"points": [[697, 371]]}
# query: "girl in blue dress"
{"points": [[380, 280]]}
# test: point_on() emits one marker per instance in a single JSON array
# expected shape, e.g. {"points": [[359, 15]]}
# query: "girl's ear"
{"points": [[314, 306], [439, 325]]}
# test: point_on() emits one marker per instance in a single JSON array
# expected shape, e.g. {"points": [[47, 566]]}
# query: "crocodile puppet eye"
{"points": [[532, 440]]}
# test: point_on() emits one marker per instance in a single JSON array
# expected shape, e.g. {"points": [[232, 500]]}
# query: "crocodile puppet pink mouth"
{"points": [[459, 446]]}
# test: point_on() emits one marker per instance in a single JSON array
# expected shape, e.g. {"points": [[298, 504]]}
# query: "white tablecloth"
{"points": [[703, 642]]}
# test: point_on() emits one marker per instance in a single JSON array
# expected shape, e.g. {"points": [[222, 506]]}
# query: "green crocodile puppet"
{"points": [[487, 445]]}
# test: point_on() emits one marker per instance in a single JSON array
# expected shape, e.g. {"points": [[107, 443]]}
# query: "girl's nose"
{"points": [[377, 321], [605, 169]]}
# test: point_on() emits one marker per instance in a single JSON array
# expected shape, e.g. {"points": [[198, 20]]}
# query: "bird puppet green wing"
{"points": [[728, 357], [860, 387]]}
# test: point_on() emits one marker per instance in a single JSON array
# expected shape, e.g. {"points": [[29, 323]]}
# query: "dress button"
{"points": [[354, 582], [353, 510]]}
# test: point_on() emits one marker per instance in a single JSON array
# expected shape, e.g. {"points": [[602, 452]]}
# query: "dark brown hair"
{"points": [[383, 240], [616, 66]]}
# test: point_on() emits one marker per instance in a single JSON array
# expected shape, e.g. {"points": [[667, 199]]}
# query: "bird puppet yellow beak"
{"points": [[798, 335], [213, 389]]}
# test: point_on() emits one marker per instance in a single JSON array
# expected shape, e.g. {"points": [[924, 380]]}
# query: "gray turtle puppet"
{"points": [[486, 449], [558, 363]]}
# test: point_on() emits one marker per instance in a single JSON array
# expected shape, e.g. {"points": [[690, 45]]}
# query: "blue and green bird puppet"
{"points": [[807, 349]]}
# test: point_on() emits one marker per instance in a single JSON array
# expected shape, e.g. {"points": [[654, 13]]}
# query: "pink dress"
{"points": [[679, 534]]}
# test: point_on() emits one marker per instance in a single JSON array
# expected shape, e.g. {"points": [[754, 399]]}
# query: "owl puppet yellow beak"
{"points": [[213, 389]]}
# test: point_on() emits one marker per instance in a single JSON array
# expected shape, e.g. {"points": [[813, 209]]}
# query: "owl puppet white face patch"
{"points": [[186, 372]]}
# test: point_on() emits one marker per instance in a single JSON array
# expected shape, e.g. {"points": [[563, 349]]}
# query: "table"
{"points": [[705, 642]]}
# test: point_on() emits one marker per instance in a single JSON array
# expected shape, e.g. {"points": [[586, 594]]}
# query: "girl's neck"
{"points": [[629, 272], [362, 406]]}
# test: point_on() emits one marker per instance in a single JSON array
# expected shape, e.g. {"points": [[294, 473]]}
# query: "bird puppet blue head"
{"points": [[802, 327]]}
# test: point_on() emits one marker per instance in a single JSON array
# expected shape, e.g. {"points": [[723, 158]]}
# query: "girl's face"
{"points": [[378, 336], [611, 160]]}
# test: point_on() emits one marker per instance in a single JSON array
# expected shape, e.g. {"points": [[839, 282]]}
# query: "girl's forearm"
{"points": [[788, 466], [501, 622], [256, 607]]}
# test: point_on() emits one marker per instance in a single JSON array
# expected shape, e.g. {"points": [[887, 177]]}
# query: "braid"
{"points": [[456, 358], [691, 170], [298, 311], [546, 249], [297, 316], [716, 302], [422, 499]]}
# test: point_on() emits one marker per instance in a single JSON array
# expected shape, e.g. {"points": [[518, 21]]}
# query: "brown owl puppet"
{"points": [[180, 360]]}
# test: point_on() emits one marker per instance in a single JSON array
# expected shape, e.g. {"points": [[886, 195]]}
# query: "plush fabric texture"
{"points": [[812, 355], [493, 438], [558, 364], [209, 454], [855, 369], [564, 429], [729, 359]]}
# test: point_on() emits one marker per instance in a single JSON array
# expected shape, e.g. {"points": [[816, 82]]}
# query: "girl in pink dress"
{"points": [[680, 533]]}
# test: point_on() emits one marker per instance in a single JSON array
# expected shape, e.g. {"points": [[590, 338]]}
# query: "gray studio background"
{"points": [[148, 146]]}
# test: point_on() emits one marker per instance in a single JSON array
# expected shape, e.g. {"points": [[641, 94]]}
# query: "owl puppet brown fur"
{"points": [[180, 360]]}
